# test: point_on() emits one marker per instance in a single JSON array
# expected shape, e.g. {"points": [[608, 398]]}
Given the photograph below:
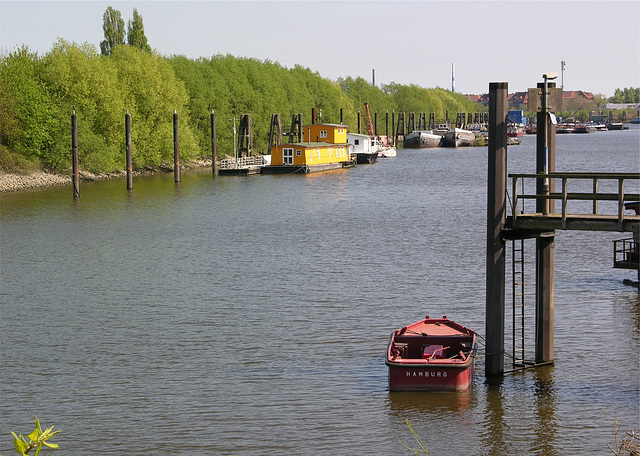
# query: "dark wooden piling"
{"points": [[393, 127], [245, 136], [214, 145], [176, 149], [386, 125], [127, 129], [313, 116], [75, 180], [496, 217], [359, 123], [341, 116], [545, 245], [375, 123]]}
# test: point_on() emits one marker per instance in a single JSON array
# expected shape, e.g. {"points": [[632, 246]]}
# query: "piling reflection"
{"points": [[545, 403], [493, 434]]}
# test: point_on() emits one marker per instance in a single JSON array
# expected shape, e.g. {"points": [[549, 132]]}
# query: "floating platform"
{"points": [[306, 169], [241, 171]]}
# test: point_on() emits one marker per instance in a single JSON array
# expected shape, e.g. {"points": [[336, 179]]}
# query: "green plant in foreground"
{"points": [[36, 439], [417, 439]]}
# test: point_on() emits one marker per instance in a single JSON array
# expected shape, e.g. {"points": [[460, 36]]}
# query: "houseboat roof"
{"points": [[312, 144], [327, 125]]}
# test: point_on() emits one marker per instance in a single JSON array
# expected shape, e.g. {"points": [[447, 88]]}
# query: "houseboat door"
{"points": [[287, 156]]}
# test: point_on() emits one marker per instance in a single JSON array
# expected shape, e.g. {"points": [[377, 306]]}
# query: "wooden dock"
{"points": [[572, 217], [596, 202]]}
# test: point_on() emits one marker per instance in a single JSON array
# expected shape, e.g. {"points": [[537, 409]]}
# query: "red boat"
{"points": [[434, 354]]}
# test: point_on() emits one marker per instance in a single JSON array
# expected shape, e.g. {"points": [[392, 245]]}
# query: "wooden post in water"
{"points": [[74, 155], [375, 123], [545, 243], [393, 127], [386, 125], [341, 117], [214, 146], [359, 123], [176, 149], [127, 129], [496, 217]]}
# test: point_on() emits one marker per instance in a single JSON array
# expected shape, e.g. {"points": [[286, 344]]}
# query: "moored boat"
{"points": [[515, 130], [585, 128], [457, 137], [421, 139], [615, 126], [564, 128], [363, 148], [383, 147], [434, 354]]}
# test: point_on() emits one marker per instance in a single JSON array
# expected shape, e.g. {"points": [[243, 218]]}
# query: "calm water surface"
{"points": [[250, 315]]}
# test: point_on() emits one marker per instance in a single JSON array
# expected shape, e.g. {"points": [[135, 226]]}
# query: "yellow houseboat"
{"points": [[324, 147]]}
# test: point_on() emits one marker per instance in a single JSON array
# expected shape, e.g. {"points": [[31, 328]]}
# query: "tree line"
{"points": [[38, 94]]}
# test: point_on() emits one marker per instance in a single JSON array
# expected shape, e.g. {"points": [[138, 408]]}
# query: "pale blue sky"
{"points": [[404, 41]]}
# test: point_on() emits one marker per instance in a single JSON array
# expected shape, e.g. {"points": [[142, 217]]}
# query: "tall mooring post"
{"points": [[127, 130], [496, 217], [214, 145], [74, 155], [545, 242], [245, 136], [176, 149]]}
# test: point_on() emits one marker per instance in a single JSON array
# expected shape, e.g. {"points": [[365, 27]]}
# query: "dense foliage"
{"points": [[628, 95], [38, 95]]}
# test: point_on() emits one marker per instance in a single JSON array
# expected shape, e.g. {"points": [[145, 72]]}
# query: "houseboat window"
{"points": [[357, 142], [298, 152], [287, 156], [323, 133]]}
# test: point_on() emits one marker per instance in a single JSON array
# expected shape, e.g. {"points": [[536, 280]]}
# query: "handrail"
{"points": [[231, 163], [565, 196]]}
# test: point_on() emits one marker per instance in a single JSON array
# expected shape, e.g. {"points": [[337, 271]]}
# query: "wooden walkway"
{"points": [[609, 216]]}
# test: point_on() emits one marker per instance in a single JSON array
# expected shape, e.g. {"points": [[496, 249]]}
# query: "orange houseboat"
{"points": [[324, 147], [434, 354]]}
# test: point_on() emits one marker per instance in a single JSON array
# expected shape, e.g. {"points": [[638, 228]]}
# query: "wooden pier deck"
{"points": [[572, 216]]}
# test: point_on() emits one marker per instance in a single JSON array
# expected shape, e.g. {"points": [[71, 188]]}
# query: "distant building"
{"points": [[617, 106], [571, 100], [518, 100], [577, 99]]}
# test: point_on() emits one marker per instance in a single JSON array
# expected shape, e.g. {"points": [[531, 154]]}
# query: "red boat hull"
{"points": [[431, 355], [432, 378]]}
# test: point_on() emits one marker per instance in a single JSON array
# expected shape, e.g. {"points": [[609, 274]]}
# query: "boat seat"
{"points": [[433, 351]]}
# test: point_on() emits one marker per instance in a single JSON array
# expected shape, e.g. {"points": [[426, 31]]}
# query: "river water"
{"points": [[250, 315]]}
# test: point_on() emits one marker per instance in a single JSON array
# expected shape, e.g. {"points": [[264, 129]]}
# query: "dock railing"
{"points": [[241, 162], [626, 253], [598, 181]]}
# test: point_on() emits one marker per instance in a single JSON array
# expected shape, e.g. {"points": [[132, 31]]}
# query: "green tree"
{"points": [[135, 33], [113, 28], [28, 102], [80, 78], [152, 93]]}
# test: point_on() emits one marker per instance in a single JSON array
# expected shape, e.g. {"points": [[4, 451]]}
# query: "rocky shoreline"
{"points": [[10, 182]]}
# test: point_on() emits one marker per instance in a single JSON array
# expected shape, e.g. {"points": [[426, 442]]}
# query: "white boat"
{"points": [[383, 147], [421, 139], [363, 147], [456, 137]]}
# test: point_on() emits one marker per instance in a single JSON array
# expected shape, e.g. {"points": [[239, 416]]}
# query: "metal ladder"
{"points": [[517, 265]]}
